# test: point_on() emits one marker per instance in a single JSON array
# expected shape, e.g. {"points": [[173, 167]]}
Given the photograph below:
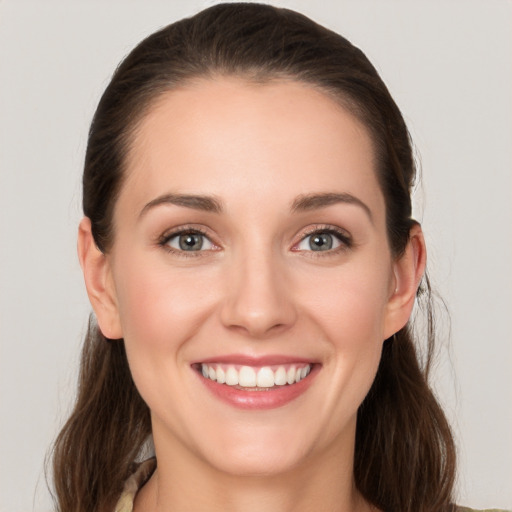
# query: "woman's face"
{"points": [[250, 245]]}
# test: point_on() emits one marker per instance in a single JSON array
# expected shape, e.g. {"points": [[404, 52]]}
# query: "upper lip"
{"points": [[247, 360]]}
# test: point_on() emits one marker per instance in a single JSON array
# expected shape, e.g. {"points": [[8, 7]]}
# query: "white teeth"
{"points": [[265, 378], [280, 376], [249, 377], [231, 377], [221, 375]]}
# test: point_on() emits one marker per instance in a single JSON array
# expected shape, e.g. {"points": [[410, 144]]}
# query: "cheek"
{"points": [[351, 310], [161, 307], [351, 303]]}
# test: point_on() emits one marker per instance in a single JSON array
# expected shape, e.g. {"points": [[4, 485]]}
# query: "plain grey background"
{"points": [[449, 66]]}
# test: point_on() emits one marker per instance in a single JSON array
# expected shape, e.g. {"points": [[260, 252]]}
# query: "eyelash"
{"points": [[342, 237], [164, 240]]}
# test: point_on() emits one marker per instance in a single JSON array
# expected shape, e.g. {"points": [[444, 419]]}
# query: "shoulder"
{"points": [[133, 484], [467, 509]]}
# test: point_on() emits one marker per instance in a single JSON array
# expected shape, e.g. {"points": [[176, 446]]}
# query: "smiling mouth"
{"points": [[249, 378]]}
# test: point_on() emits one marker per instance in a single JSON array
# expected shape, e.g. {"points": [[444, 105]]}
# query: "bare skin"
{"points": [[276, 184]]}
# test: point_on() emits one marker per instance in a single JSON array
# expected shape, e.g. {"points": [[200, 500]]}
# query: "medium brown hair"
{"points": [[404, 456]]}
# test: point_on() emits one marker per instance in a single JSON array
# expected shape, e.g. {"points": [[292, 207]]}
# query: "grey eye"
{"points": [[190, 242], [320, 241]]}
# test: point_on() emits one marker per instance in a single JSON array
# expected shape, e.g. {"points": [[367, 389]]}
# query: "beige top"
{"points": [[133, 484], [145, 470]]}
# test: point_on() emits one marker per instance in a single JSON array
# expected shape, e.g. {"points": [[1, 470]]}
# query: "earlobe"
{"points": [[408, 271], [98, 281]]}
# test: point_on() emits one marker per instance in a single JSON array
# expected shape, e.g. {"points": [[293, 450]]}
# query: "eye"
{"points": [[188, 241], [323, 240]]}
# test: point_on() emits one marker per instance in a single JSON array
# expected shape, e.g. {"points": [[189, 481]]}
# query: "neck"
{"points": [[188, 484]]}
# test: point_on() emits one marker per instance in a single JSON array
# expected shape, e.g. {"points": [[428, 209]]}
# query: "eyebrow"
{"points": [[203, 203], [316, 201], [302, 203]]}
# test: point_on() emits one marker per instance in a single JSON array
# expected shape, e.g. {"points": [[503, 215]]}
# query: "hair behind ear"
{"points": [[94, 453], [405, 454]]}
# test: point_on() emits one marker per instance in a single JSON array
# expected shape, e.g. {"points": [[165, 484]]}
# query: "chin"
{"points": [[269, 452], [247, 462]]}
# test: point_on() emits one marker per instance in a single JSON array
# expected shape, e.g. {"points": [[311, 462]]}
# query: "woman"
{"points": [[250, 256]]}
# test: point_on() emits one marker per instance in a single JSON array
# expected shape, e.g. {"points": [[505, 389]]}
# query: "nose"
{"points": [[259, 298]]}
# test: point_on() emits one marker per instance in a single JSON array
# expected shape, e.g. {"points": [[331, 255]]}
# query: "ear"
{"points": [[407, 273], [98, 281]]}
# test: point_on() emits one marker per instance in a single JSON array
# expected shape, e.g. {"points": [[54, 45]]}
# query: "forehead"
{"points": [[229, 136]]}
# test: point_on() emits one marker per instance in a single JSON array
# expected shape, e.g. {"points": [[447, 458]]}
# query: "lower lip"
{"points": [[270, 398]]}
